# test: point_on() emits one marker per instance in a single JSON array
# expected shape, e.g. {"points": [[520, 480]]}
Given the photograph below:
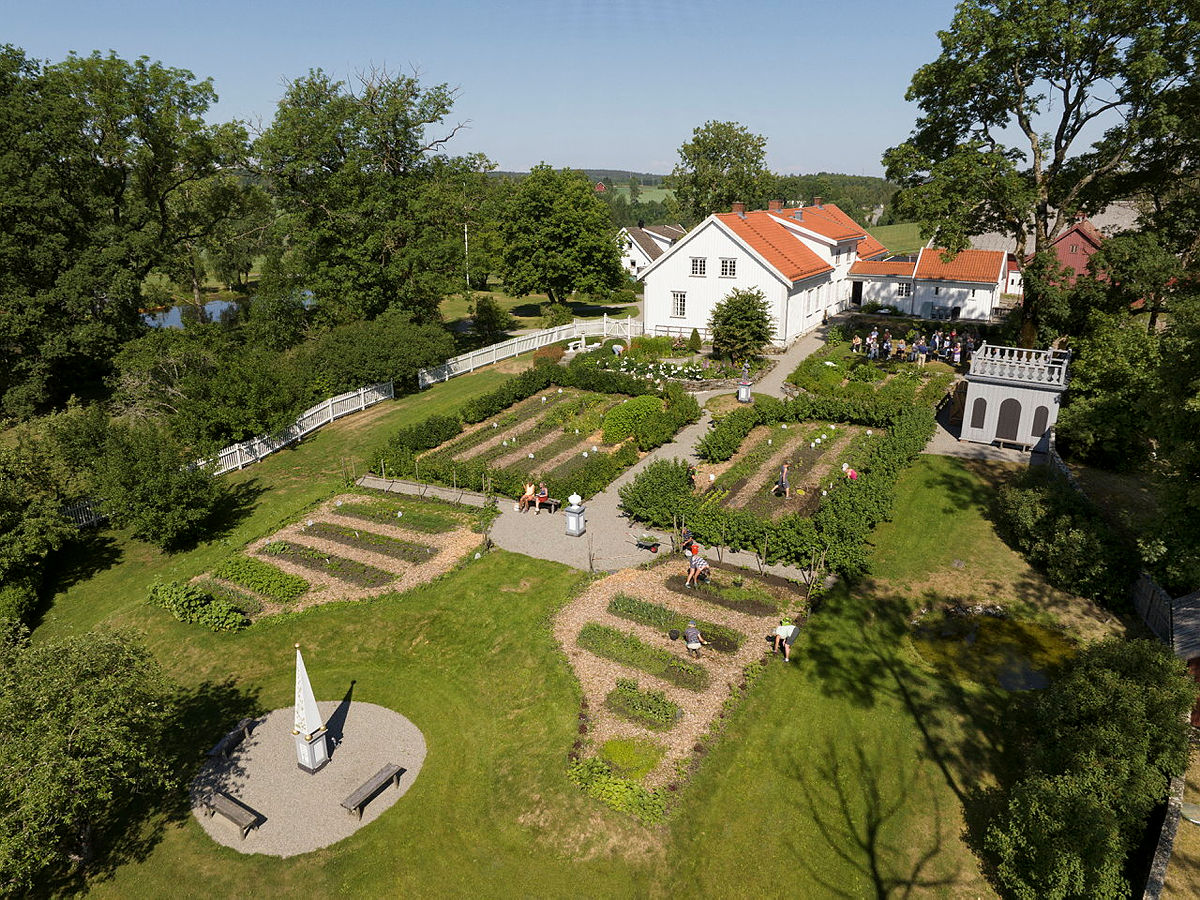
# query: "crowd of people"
{"points": [[952, 348]]}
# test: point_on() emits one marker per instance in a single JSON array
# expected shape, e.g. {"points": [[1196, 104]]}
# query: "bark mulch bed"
{"points": [[599, 676], [354, 571]]}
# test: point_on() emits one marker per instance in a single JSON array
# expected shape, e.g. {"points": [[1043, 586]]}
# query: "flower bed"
{"points": [[650, 709], [382, 544], [645, 613], [348, 570], [248, 604], [261, 577], [628, 650], [414, 515]]}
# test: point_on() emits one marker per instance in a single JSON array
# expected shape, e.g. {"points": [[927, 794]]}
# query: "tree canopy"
{"points": [[558, 237], [723, 162], [741, 325], [1008, 110]]}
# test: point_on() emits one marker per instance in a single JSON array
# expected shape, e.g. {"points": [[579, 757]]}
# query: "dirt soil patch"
{"points": [[598, 676]]}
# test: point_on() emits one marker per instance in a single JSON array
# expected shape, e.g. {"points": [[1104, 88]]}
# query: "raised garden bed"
{"points": [[263, 578], [629, 650], [748, 597], [361, 539], [650, 709], [724, 639], [348, 570], [414, 515]]}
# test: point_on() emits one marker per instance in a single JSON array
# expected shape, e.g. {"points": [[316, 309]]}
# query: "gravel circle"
{"points": [[299, 812]]}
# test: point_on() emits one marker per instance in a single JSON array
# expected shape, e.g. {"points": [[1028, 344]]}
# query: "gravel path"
{"points": [[298, 812]]}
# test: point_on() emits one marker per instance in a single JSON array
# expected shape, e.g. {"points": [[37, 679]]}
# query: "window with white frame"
{"points": [[698, 265], [904, 289], [937, 290], [728, 268], [679, 304]]}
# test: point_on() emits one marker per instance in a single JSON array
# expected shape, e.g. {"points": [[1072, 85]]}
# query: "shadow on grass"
{"points": [[88, 554], [134, 824], [236, 503], [859, 806]]}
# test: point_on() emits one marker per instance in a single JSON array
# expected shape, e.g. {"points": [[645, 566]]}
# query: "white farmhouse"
{"points": [[799, 258], [968, 286], [643, 244]]}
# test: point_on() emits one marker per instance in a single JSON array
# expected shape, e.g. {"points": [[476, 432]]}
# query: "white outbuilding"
{"points": [[1013, 395]]}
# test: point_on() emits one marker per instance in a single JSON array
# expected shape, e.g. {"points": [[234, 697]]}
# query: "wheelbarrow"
{"points": [[646, 542]]}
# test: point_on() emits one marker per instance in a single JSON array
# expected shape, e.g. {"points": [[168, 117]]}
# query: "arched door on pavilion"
{"points": [[1009, 420], [1041, 420]]}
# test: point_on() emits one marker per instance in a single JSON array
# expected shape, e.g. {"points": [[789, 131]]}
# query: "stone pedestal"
{"points": [[312, 752], [743, 393], [574, 514]]}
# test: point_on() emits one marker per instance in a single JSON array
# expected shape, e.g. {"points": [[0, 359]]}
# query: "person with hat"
{"points": [[693, 639], [783, 633]]}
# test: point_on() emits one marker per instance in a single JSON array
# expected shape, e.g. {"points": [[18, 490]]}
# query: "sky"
{"points": [[610, 84]]}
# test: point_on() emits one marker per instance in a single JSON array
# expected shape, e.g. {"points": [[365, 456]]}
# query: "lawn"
{"points": [[856, 769], [902, 238], [527, 310], [645, 194]]}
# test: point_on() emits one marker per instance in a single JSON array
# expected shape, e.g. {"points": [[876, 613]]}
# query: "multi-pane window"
{"points": [[698, 265], [728, 268], [904, 289], [679, 303]]}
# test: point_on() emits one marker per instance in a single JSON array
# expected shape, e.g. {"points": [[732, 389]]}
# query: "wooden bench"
{"points": [[236, 812], [226, 744], [373, 785], [549, 503], [581, 345]]}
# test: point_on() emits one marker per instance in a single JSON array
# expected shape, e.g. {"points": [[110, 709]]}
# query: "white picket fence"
{"points": [[238, 456], [580, 328]]}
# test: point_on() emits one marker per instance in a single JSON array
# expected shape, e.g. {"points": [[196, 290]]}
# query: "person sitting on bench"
{"points": [[543, 496], [697, 567], [526, 498], [782, 633]]}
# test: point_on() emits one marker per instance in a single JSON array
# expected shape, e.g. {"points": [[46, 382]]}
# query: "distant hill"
{"points": [[618, 176]]}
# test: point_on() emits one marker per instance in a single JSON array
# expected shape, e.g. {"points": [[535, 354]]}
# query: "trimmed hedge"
{"points": [[629, 650], [651, 709], [619, 422]]}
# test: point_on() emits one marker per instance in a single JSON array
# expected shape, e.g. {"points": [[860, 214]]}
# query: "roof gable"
{"points": [[777, 246]]}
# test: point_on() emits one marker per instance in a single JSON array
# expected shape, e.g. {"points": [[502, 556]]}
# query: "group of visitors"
{"points": [[952, 348], [535, 497]]}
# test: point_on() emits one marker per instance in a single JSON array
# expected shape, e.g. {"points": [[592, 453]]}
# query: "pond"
{"points": [[1010, 654], [173, 317]]}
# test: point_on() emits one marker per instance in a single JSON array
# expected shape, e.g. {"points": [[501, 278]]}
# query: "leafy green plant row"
{"points": [[247, 603], [191, 604], [629, 650], [597, 780], [651, 709], [722, 638], [754, 458], [542, 427], [413, 516], [261, 577], [339, 567], [361, 539], [748, 597]]}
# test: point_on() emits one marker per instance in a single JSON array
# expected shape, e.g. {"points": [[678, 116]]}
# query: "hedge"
{"points": [[722, 638], [189, 603], [619, 422]]}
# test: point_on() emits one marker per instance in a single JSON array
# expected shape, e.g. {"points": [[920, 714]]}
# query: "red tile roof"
{"points": [[879, 267], [826, 220], [869, 247], [982, 266], [774, 243]]}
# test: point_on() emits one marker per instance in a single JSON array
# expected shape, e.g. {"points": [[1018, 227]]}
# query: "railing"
{"points": [[1040, 367], [469, 362], [680, 331], [238, 456], [84, 513]]}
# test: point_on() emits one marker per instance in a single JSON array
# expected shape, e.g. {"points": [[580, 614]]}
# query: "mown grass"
{"points": [[902, 238], [527, 310]]}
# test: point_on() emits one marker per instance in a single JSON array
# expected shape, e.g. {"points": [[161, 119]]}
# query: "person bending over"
{"points": [[693, 639], [782, 632], [697, 568]]}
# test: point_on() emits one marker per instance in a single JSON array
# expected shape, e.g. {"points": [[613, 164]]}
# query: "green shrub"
{"points": [[18, 598], [649, 708], [425, 435], [619, 422], [261, 577], [650, 347], [632, 758], [240, 600], [190, 604], [723, 440], [596, 778], [694, 343], [628, 650], [722, 638]]}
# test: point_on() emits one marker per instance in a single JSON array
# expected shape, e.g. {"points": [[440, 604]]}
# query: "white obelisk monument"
{"points": [[312, 751]]}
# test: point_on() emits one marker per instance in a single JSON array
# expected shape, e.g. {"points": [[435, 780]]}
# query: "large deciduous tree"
{"points": [[1030, 107], [86, 726], [97, 157], [558, 237], [362, 193], [722, 163]]}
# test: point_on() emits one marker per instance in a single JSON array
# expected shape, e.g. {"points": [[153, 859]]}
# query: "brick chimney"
{"points": [[739, 208], [774, 205], [817, 201]]}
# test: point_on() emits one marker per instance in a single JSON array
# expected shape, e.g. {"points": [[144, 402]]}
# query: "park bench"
{"points": [[373, 785], [581, 345], [236, 812], [549, 503], [226, 744]]}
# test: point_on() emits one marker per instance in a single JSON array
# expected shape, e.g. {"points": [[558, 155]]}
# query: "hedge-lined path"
{"points": [[598, 675]]}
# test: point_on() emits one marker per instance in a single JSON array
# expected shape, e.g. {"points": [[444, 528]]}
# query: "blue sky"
{"points": [[583, 83]]}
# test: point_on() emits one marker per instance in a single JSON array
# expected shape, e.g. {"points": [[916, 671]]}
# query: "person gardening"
{"points": [[697, 567], [693, 639], [783, 633]]}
